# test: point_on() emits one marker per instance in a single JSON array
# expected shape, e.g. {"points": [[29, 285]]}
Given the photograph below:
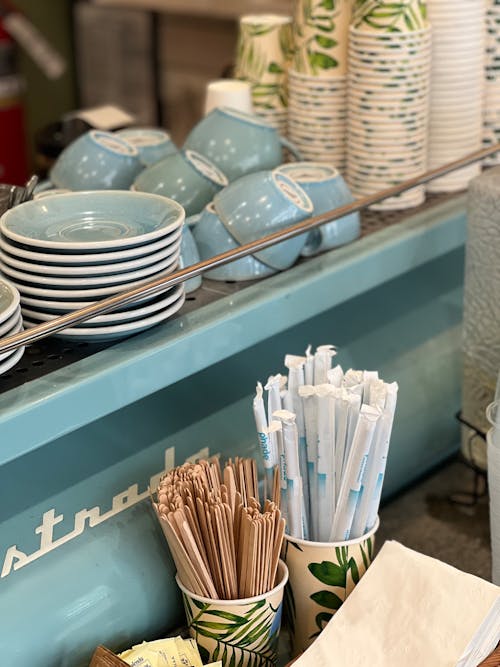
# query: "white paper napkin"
{"points": [[408, 609]]}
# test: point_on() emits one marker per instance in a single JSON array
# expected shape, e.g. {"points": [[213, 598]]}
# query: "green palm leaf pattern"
{"points": [[241, 640], [268, 79], [387, 16], [317, 52], [251, 62], [289, 608], [335, 575]]}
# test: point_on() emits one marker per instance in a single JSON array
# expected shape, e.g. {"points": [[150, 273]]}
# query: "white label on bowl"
{"points": [[207, 168], [113, 143], [145, 138], [292, 191], [309, 173]]}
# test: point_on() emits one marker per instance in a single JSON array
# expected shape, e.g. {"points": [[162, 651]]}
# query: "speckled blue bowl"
{"points": [[327, 190], [212, 238]]}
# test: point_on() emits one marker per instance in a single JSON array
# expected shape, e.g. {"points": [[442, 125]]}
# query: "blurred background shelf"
{"points": [[218, 8]]}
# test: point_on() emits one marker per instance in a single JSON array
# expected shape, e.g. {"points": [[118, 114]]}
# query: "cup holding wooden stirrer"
{"points": [[227, 552]]}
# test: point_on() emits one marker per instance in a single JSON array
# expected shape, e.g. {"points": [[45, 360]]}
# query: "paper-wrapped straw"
{"points": [[351, 482], [308, 395], [353, 416], [341, 422], [335, 441], [335, 376], [296, 521], [275, 429], [296, 379], [268, 446], [309, 367], [325, 401], [323, 363]]}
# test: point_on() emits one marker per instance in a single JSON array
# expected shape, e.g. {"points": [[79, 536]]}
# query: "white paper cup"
{"points": [[321, 576], [239, 632], [230, 93], [460, 182]]}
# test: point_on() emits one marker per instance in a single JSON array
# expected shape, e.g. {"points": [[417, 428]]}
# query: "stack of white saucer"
{"points": [[317, 81], [491, 118], [389, 76], [457, 87], [11, 322]]}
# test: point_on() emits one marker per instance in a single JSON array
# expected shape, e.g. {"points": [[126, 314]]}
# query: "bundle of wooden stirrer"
{"points": [[224, 546]]}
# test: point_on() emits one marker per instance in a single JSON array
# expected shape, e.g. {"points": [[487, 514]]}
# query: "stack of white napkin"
{"points": [[410, 610]]}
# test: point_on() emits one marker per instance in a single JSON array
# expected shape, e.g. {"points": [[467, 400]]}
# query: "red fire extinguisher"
{"points": [[13, 147]]}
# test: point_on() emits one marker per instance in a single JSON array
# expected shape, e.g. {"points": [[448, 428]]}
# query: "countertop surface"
{"points": [[438, 516]]}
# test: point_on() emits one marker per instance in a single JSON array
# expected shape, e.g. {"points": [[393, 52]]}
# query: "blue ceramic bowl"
{"points": [[237, 142], [153, 144], [212, 238], [186, 177], [96, 161], [189, 256], [262, 203], [327, 191]]}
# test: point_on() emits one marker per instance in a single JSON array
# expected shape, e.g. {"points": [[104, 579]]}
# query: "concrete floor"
{"points": [[426, 518]]}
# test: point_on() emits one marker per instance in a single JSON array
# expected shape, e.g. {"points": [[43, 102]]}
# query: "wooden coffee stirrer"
{"points": [[103, 657], [187, 574], [223, 544], [276, 487]]}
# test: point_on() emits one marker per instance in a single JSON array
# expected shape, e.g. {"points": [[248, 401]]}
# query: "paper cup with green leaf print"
{"points": [[240, 633], [387, 16], [321, 576], [263, 54], [320, 33]]}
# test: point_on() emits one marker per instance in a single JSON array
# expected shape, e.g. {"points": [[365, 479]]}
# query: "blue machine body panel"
{"points": [[82, 560]]}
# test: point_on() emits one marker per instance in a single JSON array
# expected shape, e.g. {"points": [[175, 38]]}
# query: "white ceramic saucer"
{"points": [[102, 261], [97, 221], [15, 329], [37, 312], [10, 323], [58, 282], [12, 360], [9, 300], [101, 334], [85, 294]]}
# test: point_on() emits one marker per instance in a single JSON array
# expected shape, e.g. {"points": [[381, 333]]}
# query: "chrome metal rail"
{"points": [[158, 285]]}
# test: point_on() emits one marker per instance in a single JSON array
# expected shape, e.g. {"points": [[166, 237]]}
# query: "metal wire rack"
{"points": [[50, 354]]}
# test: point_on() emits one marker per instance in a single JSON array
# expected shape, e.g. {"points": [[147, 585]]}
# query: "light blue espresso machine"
{"points": [[85, 431]]}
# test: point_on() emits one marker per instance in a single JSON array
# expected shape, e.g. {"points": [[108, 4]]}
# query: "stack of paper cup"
{"points": [[491, 118], [317, 80], [457, 87], [263, 55], [388, 99]]}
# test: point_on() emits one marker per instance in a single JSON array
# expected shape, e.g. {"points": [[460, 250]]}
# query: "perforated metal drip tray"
{"points": [[52, 353]]}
